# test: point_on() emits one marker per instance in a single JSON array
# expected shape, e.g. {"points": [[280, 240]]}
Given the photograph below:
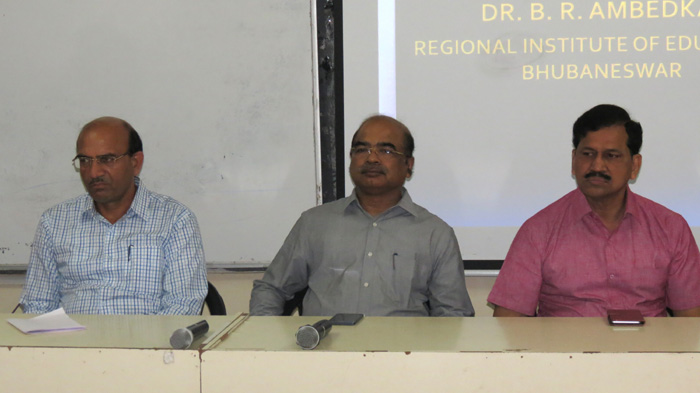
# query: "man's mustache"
{"points": [[98, 179], [598, 174], [372, 168]]}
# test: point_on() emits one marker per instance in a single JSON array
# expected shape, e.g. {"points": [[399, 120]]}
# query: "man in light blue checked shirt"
{"points": [[120, 248]]}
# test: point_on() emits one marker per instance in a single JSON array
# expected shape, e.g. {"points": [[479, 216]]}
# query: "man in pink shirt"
{"points": [[601, 246]]}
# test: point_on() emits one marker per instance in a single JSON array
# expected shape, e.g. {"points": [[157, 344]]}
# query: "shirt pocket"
{"points": [[650, 273], [403, 270], [145, 269]]}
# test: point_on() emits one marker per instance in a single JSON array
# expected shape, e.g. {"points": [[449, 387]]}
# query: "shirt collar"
{"points": [[632, 206], [138, 205], [405, 203], [581, 207]]}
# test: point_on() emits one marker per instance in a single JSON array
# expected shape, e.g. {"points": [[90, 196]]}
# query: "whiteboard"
{"points": [[221, 92]]}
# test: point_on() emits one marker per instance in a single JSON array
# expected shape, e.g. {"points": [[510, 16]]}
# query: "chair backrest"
{"points": [[214, 301], [296, 303]]}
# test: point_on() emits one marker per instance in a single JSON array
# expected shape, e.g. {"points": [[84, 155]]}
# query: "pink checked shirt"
{"points": [[564, 262]]}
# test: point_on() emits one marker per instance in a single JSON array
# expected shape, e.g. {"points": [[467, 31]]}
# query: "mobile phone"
{"points": [[346, 319], [625, 317]]}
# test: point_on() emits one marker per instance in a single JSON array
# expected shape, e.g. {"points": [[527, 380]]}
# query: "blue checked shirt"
{"points": [[151, 261]]}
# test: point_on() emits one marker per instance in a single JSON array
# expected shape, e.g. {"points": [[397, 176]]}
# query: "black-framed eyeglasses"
{"points": [[382, 151], [107, 160]]}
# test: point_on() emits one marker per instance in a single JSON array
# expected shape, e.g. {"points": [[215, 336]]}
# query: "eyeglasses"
{"points": [[382, 151], [107, 160]]}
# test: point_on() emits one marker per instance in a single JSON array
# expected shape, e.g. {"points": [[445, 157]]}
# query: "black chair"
{"points": [[296, 303], [214, 302]]}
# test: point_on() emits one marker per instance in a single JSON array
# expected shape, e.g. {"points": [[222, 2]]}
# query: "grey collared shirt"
{"points": [[404, 262]]}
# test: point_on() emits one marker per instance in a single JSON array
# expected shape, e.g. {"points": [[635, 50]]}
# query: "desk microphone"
{"points": [[309, 336], [183, 337]]}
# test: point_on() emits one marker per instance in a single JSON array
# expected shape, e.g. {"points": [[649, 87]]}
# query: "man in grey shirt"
{"points": [[374, 252]]}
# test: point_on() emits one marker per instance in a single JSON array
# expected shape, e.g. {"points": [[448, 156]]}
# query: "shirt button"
{"points": [[612, 276], [369, 253], [374, 224], [366, 284]]}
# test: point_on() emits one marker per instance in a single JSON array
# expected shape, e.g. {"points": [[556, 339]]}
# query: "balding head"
{"points": [[115, 124], [408, 143]]}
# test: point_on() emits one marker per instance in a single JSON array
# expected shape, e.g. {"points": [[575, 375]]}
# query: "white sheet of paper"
{"points": [[54, 321]]}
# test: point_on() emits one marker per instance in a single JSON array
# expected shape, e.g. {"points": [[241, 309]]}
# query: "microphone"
{"points": [[183, 337], [309, 336]]}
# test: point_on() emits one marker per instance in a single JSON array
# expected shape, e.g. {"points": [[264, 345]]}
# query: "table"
{"points": [[480, 354], [259, 354], [116, 353]]}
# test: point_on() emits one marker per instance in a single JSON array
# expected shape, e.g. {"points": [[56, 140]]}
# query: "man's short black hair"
{"points": [[607, 115], [135, 144]]}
